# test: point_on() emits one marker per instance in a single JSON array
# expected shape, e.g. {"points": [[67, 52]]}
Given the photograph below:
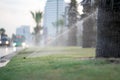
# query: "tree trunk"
{"points": [[108, 31], [37, 39], [37, 34]]}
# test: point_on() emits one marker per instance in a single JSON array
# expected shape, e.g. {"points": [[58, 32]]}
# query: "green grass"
{"points": [[65, 65]]}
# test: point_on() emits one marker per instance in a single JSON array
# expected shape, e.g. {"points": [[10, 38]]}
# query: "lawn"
{"points": [[60, 64]]}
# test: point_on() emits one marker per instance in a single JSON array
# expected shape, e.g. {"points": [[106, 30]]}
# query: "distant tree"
{"points": [[37, 16], [72, 19], [72, 13], [89, 24], [2, 31], [60, 24]]}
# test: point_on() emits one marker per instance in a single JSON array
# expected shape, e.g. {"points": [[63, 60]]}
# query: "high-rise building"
{"points": [[54, 11], [24, 30]]}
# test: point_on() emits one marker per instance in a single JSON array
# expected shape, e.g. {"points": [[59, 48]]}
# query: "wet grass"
{"points": [[64, 66], [66, 51]]}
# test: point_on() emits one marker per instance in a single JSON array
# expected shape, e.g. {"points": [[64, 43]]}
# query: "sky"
{"points": [[14, 13]]}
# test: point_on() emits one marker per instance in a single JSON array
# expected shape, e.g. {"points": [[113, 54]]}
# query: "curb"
{"points": [[6, 59]]}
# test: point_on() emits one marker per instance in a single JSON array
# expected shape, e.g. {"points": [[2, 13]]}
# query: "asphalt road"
{"points": [[6, 53]]}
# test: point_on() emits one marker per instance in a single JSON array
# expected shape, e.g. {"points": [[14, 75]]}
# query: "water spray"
{"points": [[92, 14], [35, 54]]}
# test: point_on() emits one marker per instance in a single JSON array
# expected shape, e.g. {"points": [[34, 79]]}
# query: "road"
{"points": [[6, 50]]}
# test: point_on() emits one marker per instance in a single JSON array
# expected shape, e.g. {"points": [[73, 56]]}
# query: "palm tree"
{"points": [[108, 30], [2, 31], [37, 16], [72, 19]]}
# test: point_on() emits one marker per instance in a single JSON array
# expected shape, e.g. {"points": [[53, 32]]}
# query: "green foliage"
{"points": [[37, 16], [61, 22], [2, 30], [72, 13], [58, 23], [73, 3]]}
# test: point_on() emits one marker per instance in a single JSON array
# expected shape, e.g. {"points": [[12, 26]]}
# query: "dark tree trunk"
{"points": [[108, 30], [37, 35], [37, 39]]}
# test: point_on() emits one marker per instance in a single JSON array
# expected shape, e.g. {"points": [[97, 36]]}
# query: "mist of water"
{"points": [[78, 25], [62, 39]]}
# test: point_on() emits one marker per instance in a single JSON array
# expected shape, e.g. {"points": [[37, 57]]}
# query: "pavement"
{"points": [[7, 54]]}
